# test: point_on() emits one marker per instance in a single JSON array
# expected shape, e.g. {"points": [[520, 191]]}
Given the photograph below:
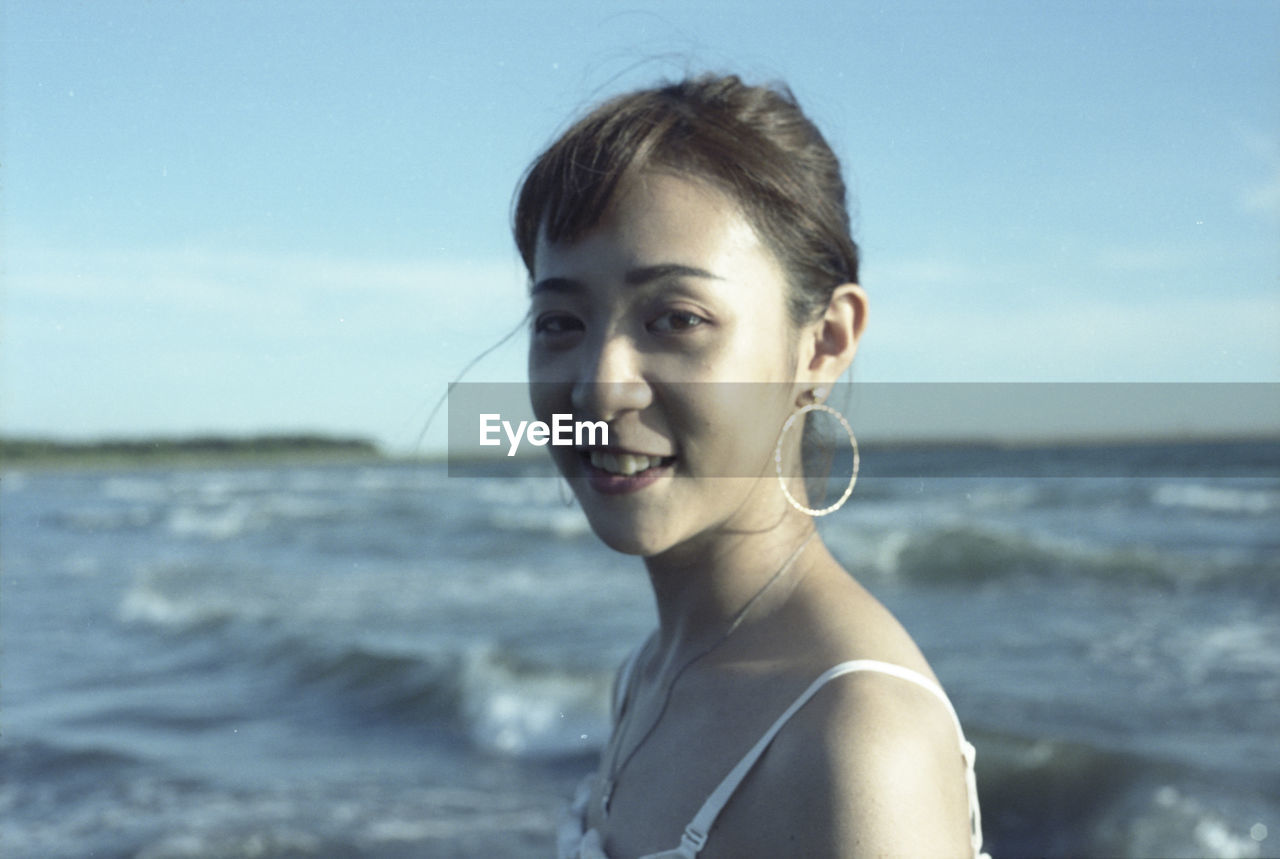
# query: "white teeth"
{"points": [[625, 464]]}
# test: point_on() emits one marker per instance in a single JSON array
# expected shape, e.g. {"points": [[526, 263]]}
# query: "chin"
{"points": [[626, 534], [627, 540]]}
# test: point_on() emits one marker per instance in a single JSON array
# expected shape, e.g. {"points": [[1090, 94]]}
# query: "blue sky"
{"points": [[244, 217]]}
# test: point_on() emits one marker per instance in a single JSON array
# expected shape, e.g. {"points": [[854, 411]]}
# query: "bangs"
{"points": [[569, 188], [751, 143]]}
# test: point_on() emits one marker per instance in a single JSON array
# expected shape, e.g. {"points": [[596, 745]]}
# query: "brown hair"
{"points": [[752, 142]]}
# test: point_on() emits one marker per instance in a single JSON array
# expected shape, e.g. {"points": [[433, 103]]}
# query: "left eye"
{"points": [[675, 321]]}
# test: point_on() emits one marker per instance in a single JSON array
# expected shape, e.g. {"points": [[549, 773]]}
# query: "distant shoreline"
{"points": [[22, 453], [186, 450]]}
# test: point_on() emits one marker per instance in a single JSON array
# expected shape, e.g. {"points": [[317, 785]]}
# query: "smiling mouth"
{"points": [[624, 464]]}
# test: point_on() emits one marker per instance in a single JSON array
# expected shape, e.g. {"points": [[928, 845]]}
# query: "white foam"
{"points": [[1218, 840], [542, 491], [277, 841], [1173, 823], [291, 505], [134, 489], [214, 523], [147, 606], [13, 481], [1240, 645], [1215, 499], [532, 714], [889, 550], [563, 522], [397, 829], [1003, 495]]}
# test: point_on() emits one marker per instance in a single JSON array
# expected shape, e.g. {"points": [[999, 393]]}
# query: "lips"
{"points": [[614, 472], [626, 464]]}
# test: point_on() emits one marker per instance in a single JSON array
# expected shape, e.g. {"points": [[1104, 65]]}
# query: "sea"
{"points": [[378, 659]]}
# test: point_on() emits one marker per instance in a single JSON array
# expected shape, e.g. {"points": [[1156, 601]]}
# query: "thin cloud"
{"points": [[1156, 258], [930, 272], [257, 289], [1192, 339], [186, 340], [1263, 197]]}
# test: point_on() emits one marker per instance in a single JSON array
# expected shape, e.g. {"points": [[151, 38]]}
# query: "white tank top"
{"points": [[575, 841]]}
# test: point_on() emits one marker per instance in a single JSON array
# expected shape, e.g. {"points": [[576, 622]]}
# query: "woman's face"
{"points": [[652, 322]]}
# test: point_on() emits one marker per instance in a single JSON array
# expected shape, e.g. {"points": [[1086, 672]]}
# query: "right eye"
{"points": [[556, 325]]}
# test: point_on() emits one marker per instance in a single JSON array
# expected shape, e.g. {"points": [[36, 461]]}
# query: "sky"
{"points": [[246, 217]]}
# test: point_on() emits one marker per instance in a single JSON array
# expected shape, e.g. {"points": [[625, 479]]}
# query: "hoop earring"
{"points": [[566, 492], [777, 460]]}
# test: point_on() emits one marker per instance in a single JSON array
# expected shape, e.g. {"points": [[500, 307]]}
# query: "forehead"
{"points": [[660, 217]]}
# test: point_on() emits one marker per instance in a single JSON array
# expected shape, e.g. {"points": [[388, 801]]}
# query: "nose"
{"points": [[611, 381]]}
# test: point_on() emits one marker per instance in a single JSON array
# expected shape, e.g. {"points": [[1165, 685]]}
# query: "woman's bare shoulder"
{"points": [[871, 765]]}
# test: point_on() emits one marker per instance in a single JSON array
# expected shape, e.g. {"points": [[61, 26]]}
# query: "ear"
{"points": [[827, 346]]}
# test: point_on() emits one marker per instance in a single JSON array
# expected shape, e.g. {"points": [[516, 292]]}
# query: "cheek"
{"points": [[540, 365], [730, 428], [765, 352], [548, 398]]}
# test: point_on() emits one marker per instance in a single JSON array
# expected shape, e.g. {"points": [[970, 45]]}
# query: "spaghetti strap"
{"points": [[576, 840], [695, 834]]}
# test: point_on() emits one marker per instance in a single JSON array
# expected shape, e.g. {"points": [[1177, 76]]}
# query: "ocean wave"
{"points": [[386, 822], [971, 552], [97, 518], [25, 759], [503, 701], [220, 522], [1003, 496], [458, 600], [1173, 659], [1054, 797], [515, 493], [399, 685], [65, 803], [13, 482], [384, 825], [269, 512], [214, 485], [968, 553], [562, 522], [1216, 499], [504, 704], [177, 597], [146, 489], [522, 709], [400, 478]]}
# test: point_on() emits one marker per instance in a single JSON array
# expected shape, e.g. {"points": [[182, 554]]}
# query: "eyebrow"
{"points": [[634, 277]]}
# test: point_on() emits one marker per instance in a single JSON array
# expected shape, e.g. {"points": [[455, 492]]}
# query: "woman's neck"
{"points": [[703, 586]]}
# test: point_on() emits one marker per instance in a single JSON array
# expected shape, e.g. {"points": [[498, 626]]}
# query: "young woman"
{"points": [[694, 286]]}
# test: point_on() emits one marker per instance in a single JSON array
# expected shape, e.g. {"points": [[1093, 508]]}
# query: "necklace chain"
{"points": [[615, 768]]}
